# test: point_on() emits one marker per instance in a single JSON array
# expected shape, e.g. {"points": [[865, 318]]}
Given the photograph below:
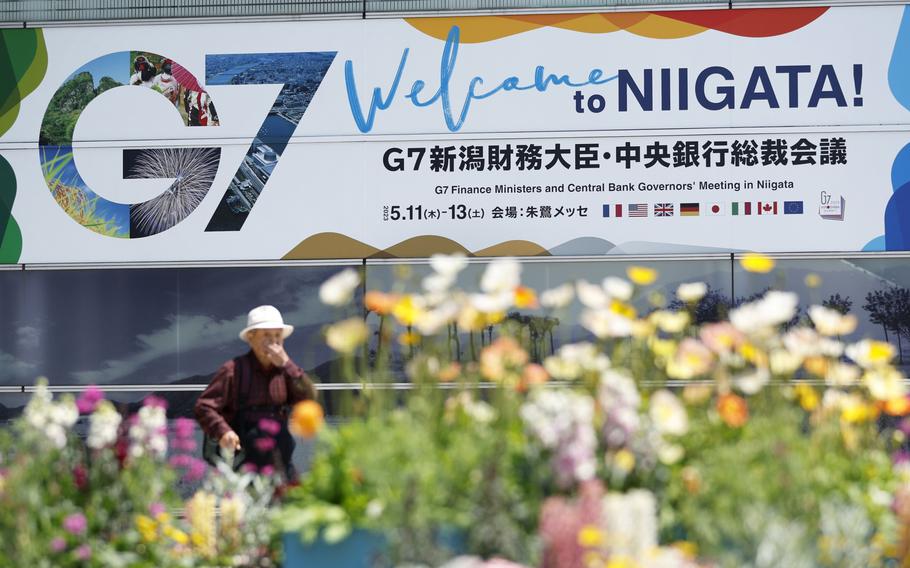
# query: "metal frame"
{"points": [[372, 9]]}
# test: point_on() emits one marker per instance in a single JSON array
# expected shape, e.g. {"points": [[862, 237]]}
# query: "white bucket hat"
{"points": [[265, 317]]}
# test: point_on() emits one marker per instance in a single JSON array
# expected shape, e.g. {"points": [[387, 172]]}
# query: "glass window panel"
{"points": [[549, 329], [849, 282], [815, 281], [151, 326]]}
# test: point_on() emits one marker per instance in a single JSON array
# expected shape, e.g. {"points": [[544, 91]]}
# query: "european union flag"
{"points": [[793, 207]]}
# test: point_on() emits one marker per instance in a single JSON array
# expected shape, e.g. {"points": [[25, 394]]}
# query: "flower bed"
{"points": [[762, 438], [757, 439]]}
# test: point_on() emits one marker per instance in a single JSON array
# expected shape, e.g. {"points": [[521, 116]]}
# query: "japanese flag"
{"points": [[715, 209]]}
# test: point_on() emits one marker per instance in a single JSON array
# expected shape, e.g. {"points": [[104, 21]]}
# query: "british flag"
{"points": [[663, 209]]}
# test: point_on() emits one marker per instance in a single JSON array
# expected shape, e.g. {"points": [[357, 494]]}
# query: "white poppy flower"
{"points": [[558, 297], [752, 382], [502, 275], [691, 292], [345, 336], [885, 384], [606, 323], [618, 288], [338, 290], [870, 353], [842, 375], [492, 303], [668, 413], [431, 321], [438, 282], [448, 264], [831, 322], [772, 310], [592, 295]]}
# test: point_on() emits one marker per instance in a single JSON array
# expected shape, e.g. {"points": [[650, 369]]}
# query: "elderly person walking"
{"points": [[245, 407]]}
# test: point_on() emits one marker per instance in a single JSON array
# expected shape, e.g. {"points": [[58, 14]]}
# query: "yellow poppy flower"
{"points": [[641, 275], [755, 262]]}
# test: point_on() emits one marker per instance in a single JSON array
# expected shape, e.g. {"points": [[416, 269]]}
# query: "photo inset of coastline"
{"points": [[300, 74]]}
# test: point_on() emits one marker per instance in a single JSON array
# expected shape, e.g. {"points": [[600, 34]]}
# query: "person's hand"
{"points": [[230, 441], [277, 355]]}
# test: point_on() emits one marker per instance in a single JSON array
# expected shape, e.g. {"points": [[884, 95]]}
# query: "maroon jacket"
{"points": [[278, 386]]}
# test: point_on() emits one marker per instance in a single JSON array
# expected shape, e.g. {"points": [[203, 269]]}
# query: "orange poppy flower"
{"points": [[306, 419], [733, 410]]}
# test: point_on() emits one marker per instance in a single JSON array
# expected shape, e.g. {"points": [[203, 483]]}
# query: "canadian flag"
{"points": [[767, 207]]}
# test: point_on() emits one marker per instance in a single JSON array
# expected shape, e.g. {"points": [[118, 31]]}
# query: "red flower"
{"points": [[80, 477]]}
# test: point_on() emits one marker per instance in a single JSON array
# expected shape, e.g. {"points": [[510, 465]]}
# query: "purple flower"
{"points": [[84, 552], [156, 509], [900, 457], [58, 545], [89, 399], [75, 524], [184, 428], [269, 426], [265, 444]]}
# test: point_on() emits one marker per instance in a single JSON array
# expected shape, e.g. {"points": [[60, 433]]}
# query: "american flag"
{"points": [[638, 210], [663, 209]]}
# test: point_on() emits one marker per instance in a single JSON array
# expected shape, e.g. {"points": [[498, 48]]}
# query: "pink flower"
{"points": [[180, 460], [196, 470], [89, 399], [184, 428], [721, 337], [267, 470], [249, 468], [75, 524], [561, 521], [265, 444], [156, 509], [155, 401], [58, 545], [184, 444], [269, 426], [84, 552]]}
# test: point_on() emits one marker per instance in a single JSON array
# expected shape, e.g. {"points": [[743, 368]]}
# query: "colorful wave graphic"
{"points": [[337, 245], [753, 22], [23, 63], [897, 211]]}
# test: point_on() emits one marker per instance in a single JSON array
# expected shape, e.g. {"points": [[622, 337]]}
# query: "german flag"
{"points": [[688, 209]]}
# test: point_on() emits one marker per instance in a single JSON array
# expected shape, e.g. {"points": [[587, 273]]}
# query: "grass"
{"points": [[74, 200]]}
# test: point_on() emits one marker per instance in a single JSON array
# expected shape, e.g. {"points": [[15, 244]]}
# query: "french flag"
{"points": [[612, 210]]}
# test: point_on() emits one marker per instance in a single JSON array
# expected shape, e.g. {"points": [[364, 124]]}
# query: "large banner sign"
{"points": [[701, 131]]}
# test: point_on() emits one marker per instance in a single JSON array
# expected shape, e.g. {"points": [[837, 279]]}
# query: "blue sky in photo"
{"points": [[113, 65]]}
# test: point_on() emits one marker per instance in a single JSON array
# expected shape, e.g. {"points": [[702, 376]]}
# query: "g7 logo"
{"points": [[193, 169]]}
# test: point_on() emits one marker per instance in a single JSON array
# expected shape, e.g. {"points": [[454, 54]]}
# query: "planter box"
{"points": [[361, 549]]}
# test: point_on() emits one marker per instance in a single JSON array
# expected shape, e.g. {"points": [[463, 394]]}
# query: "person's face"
{"points": [[261, 339]]}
